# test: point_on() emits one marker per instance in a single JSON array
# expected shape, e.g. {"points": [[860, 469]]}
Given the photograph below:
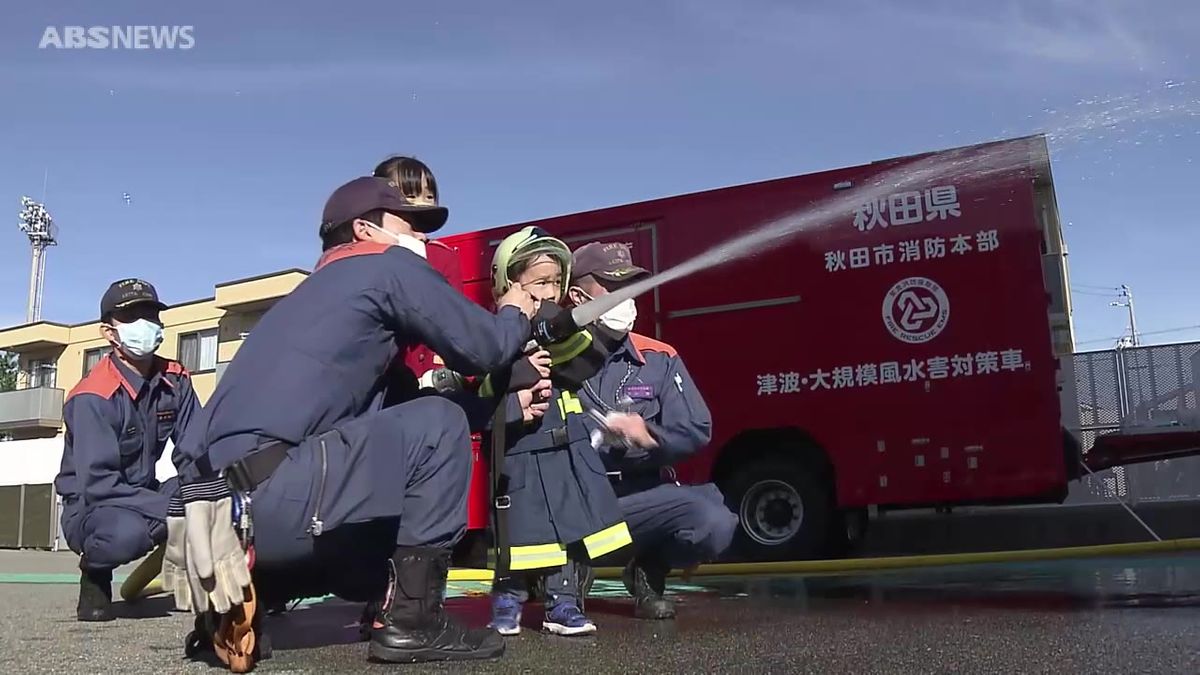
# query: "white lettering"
{"points": [[939, 368], [910, 251], [97, 37], [122, 37], [819, 380], [1012, 359], [914, 370], [75, 37], [905, 208], [790, 383], [767, 384], [843, 377], [963, 365], [885, 254], [860, 257], [889, 372], [962, 244], [835, 260], [188, 41], [867, 374], [868, 216], [987, 362], [935, 248], [941, 202], [141, 37], [50, 38], [987, 241]]}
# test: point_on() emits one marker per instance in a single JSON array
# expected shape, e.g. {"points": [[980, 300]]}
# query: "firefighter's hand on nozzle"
{"points": [[520, 298], [541, 362]]}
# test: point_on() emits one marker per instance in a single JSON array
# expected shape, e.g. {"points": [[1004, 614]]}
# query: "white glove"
{"points": [[217, 569], [174, 567]]}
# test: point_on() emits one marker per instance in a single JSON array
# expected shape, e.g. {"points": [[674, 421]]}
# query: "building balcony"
{"points": [[257, 293], [34, 337], [39, 408]]}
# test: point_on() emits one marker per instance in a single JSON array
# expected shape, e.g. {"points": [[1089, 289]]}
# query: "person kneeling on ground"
{"points": [[296, 423], [118, 420], [654, 416]]}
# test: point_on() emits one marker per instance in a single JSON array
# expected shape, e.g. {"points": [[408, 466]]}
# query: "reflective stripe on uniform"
{"points": [[485, 389], [570, 348], [569, 403], [538, 555], [607, 540]]}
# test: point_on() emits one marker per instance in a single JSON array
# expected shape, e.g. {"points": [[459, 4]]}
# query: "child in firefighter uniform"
{"points": [[557, 505]]}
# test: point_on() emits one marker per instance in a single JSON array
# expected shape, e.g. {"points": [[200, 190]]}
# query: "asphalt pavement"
{"points": [[1131, 615]]}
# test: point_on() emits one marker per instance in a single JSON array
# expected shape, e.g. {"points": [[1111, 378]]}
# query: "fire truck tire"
{"points": [[785, 510]]}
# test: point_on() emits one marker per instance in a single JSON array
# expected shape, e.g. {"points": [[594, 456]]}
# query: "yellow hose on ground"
{"points": [[896, 562], [143, 581]]}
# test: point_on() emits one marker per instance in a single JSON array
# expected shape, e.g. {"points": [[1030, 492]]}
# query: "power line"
{"points": [[1164, 331], [1110, 294]]}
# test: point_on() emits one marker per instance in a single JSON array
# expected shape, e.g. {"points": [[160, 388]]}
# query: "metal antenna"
{"points": [[37, 224]]}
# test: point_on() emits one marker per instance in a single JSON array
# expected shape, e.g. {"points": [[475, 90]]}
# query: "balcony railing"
{"points": [[38, 407]]}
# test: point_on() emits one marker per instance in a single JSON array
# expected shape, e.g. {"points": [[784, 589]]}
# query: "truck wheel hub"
{"points": [[772, 512]]}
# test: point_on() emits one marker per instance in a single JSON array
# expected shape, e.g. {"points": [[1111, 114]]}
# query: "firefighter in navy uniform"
{"points": [[654, 417], [118, 420], [296, 424]]}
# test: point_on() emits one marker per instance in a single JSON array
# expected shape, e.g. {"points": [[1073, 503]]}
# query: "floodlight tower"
{"points": [[37, 224]]}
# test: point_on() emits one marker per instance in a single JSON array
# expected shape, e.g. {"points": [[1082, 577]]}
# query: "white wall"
{"points": [[36, 462]]}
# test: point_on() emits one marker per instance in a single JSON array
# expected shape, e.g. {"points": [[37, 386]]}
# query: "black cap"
{"points": [[609, 261], [126, 293], [368, 193]]}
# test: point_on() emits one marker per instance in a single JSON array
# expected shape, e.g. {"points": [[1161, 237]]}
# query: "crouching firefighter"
{"points": [[648, 414], [554, 508], [296, 434]]}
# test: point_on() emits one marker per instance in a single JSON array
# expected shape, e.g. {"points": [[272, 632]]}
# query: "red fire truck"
{"points": [[914, 350]]}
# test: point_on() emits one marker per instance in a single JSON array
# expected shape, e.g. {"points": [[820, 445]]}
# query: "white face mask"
{"points": [[405, 241], [139, 339], [619, 319]]}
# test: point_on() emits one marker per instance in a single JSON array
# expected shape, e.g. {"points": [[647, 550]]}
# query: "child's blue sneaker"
{"points": [[506, 614], [566, 618]]}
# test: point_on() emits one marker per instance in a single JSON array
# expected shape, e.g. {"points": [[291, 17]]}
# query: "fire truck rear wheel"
{"points": [[785, 510]]}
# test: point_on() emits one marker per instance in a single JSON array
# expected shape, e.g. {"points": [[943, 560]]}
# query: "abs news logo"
{"points": [[117, 37], [916, 310]]}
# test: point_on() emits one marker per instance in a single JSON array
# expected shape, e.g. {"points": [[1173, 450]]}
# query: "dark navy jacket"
{"points": [[117, 425], [653, 375], [319, 356]]}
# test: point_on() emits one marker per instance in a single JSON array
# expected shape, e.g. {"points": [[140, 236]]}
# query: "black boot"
{"points": [[95, 594], [646, 581], [367, 620], [413, 625]]}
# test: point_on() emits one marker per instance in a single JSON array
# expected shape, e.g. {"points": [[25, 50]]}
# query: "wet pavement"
{"points": [[1127, 615]]}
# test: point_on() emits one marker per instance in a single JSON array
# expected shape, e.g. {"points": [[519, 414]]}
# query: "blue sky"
{"points": [[532, 109]]}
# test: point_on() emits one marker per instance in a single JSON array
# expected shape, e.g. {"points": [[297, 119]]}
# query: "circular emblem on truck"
{"points": [[916, 310]]}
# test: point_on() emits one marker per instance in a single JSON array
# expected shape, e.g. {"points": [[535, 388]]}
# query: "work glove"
{"points": [[174, 567], [217, 569]]}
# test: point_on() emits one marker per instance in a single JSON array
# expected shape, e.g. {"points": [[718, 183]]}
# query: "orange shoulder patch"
{"points": [[649, 344], [351, 250], [104, 380]]}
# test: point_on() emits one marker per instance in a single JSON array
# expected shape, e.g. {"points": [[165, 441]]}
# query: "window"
{"points": [[92, 356], [198, 351], [42, 373]]}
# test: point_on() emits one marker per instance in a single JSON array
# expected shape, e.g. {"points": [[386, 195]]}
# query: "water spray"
{"points": [[967, 164]]}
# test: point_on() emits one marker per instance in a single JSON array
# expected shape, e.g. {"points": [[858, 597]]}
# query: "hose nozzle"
{"points": [[551, 331]]}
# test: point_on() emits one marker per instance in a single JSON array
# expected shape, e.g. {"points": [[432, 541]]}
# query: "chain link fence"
{"points": [[1138, 388]]}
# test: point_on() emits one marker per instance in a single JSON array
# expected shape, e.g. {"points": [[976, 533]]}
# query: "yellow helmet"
{"points": [[526, 244]]}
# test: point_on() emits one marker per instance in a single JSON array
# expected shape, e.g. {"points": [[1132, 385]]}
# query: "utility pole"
{"points": [[37, 224], [1127, 302]]}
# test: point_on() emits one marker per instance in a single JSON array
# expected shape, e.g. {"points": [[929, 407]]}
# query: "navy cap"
{"points": [[609, 261], [126, 293], [368, 193]]}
